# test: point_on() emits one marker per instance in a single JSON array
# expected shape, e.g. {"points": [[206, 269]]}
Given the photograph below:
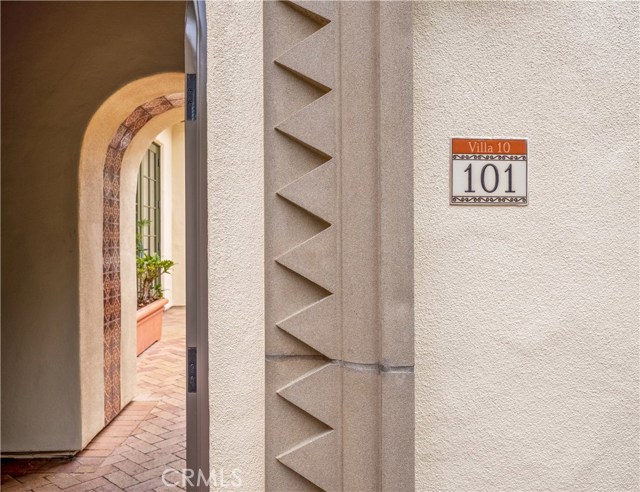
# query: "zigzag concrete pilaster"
{"points": [[339, 334]]}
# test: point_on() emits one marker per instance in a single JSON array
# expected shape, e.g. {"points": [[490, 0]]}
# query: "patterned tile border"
{"points": [[111, 242]]}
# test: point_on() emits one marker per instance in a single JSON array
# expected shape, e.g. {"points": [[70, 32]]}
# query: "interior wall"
{"points": [[178, 295], [172, 213], [60, 62], [165, 139], [527, 317]]}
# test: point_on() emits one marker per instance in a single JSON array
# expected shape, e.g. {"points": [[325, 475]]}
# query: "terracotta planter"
{"points": [[149, 319]]}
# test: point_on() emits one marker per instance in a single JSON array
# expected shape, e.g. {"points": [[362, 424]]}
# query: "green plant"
{"points": [[149, 270]]}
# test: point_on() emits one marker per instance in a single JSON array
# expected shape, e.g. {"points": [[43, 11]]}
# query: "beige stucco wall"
{"points": [[178, 276], [527, 318], [236, 242], [57, 69], [165, 140], [171, 141]]}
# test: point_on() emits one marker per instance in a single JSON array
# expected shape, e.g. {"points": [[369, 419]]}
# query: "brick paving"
{"points": [[130, 454]]}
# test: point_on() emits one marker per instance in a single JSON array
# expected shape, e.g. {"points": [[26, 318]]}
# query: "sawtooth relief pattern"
{"points": [[307, 132], [338, 246]]}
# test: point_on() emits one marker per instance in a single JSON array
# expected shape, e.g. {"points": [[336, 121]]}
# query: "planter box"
{"points": [[149, 320]]}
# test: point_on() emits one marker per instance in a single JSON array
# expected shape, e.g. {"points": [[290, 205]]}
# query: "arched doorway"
{"points": [[111, 240], [117, 136], [100, 125], [125, 125]]}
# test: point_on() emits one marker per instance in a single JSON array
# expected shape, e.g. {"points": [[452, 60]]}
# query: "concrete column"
{"points": [[338, 246]]}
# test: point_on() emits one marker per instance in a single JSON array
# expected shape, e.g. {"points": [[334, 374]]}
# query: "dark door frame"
{"points": [[196, 244]]}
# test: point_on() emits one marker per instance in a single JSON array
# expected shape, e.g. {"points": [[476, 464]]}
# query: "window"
{"points": [[148, 200]]}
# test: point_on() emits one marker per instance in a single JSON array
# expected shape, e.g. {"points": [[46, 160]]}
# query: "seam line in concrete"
{"points": [[356, 366]]}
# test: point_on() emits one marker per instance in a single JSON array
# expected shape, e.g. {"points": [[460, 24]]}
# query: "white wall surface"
{"points": [[236, 239], [527, 318]]}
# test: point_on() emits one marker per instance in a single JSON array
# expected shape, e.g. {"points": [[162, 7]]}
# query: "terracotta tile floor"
{"points": [[147, 437]]}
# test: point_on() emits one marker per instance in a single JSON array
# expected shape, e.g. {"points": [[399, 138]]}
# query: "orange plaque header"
{"points": [[488, 146]]}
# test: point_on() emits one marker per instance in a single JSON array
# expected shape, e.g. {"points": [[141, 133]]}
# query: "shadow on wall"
{"points": [[61, 61]]}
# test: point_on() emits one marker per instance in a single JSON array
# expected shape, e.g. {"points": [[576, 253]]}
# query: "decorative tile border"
{"points": [[111, 242], [488, 157], [488, 199]]}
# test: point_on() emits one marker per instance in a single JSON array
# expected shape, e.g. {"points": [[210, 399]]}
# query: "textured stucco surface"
{"points": [[527, 318], [236, 242]]}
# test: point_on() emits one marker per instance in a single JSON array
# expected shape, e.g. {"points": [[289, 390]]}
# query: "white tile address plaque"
{"points": [[488, 171]]}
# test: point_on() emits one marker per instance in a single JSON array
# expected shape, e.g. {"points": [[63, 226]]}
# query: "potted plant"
{"points": [[149, 270]]}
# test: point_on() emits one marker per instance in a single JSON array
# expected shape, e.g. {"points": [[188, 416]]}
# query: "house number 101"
{"points": [[488, 171], [496, 179]]}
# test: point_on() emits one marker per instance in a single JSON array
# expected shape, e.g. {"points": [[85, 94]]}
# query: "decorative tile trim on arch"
{"points": [[111, 242]]}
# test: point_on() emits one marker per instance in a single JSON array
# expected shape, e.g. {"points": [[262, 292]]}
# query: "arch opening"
{"points": [[116, 138]]}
